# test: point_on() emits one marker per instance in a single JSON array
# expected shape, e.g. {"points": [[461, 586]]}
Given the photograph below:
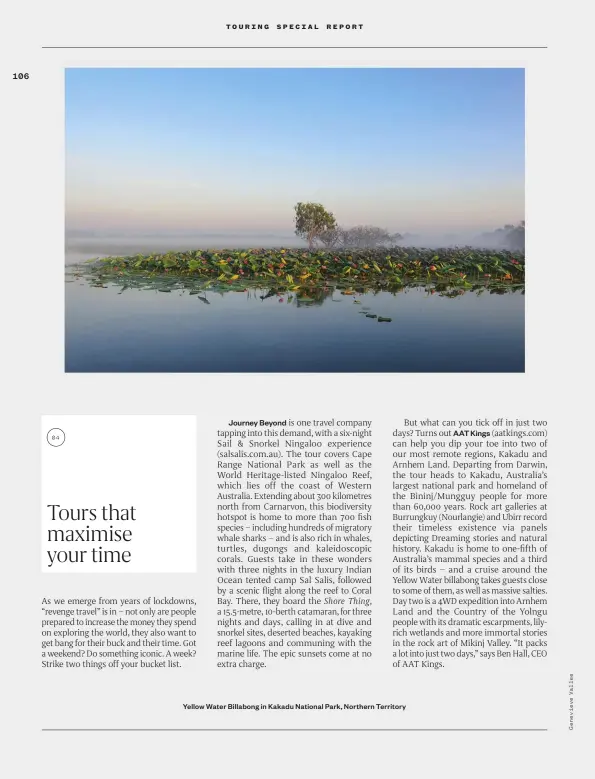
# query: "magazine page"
{"points": [[296, 396]]}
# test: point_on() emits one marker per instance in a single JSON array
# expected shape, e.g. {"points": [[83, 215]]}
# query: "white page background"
{"points": [[554, 387]]}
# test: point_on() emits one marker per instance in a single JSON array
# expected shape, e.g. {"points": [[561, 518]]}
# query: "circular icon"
{"points": [[56, 437]]}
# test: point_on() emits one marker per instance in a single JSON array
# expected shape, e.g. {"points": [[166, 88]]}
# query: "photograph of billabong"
{"points": [[295, 220]]}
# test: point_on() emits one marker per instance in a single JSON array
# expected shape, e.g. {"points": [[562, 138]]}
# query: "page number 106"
{"points": [[20, 75]]}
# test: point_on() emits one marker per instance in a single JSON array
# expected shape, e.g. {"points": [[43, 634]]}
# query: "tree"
{"points": [[331, 238], [516, 238], [511, 237], [368, 237], [313, 221]]}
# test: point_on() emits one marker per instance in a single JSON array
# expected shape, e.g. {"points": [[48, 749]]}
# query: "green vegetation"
{"points": [[351, 260], [302, 278], [313, 222], [296, 270]]}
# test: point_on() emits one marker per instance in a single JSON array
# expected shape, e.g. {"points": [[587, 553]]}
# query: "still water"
{"points": [[148, 330]]}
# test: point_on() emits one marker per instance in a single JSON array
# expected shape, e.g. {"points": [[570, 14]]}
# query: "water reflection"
{"points": [[163, 323], [315, 295]]}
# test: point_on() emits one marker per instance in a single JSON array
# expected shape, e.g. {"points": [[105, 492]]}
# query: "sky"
{"points": [[230, 150]]}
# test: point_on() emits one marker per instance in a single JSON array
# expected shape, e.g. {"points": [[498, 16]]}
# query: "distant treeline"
{"points": [[360, 237], [510, 237]]}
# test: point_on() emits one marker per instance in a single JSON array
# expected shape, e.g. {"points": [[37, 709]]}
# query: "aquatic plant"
{"points": [[307, 279], [296, 270]]}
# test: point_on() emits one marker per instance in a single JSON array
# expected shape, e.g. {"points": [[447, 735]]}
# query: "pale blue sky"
{"points": [[235, 149]]}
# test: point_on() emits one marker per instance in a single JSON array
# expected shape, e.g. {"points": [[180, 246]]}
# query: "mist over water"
{"points": [[84, 245]]}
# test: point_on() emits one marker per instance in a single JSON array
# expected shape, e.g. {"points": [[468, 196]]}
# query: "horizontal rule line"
{"points": [[391, 730], [294, 47]]}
